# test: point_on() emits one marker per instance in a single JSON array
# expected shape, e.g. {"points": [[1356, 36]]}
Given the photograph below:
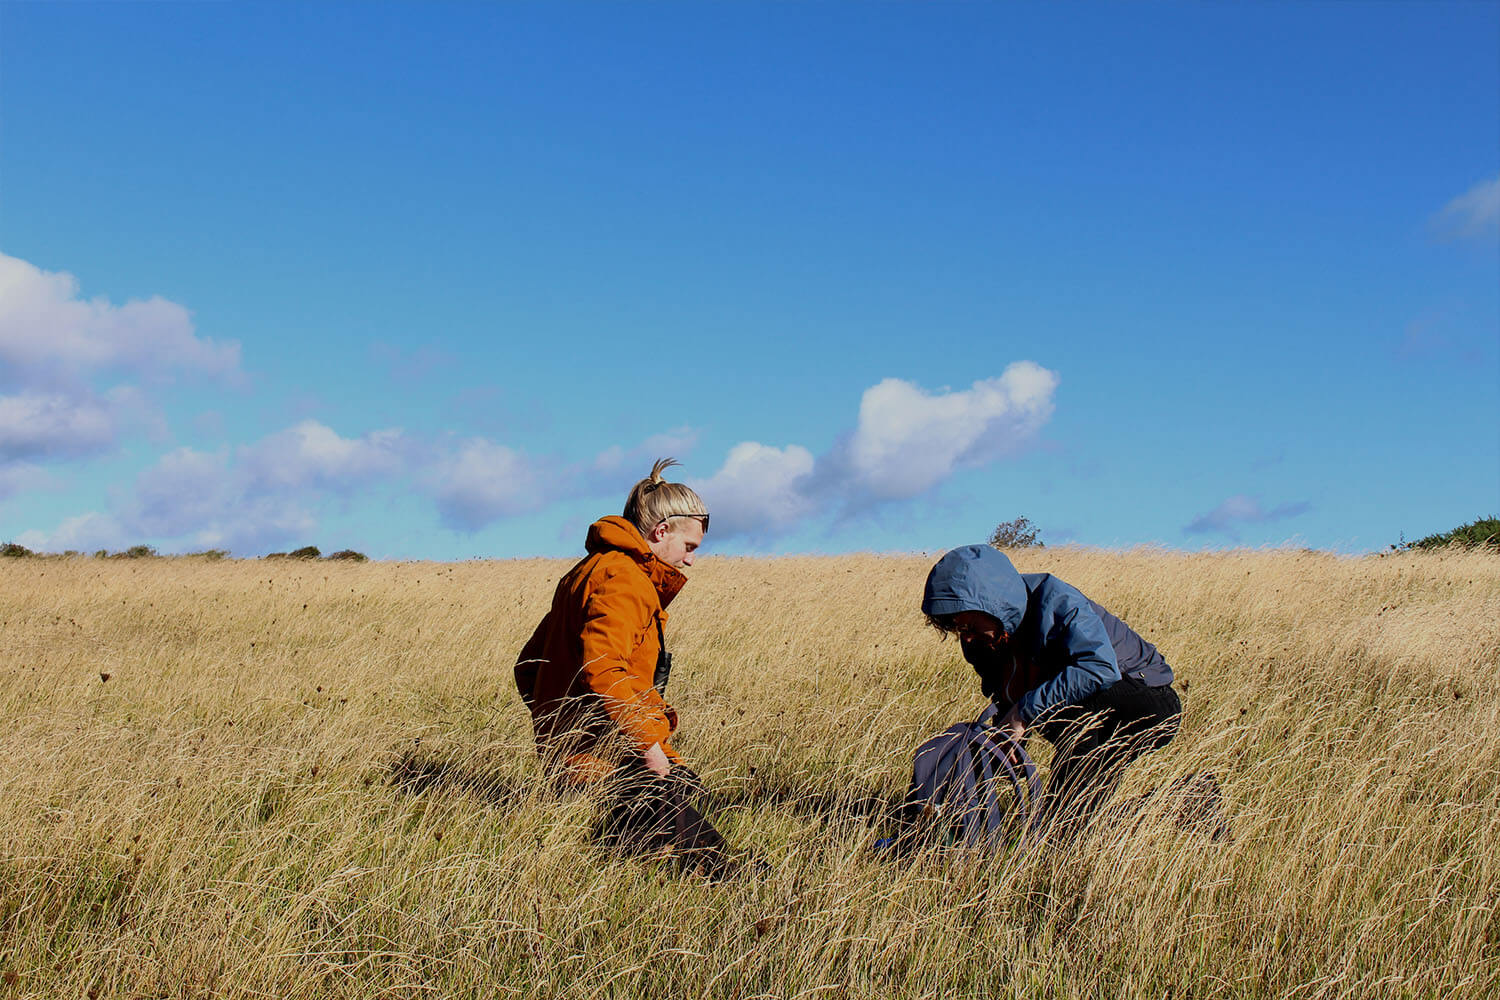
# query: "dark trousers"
{"points": [[646, 812], [1096, 739]]}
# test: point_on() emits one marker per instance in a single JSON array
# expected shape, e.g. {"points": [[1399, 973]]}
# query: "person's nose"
{"points": [[687, 559]]}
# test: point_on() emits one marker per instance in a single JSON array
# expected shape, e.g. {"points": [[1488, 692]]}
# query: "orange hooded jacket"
{"points": [[586, 673]]}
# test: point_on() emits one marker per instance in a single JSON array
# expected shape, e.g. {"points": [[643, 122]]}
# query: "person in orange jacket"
{"points": [[594, 671]]}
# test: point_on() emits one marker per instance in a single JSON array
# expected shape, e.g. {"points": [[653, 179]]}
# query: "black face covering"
{"points": [[994, 666]]}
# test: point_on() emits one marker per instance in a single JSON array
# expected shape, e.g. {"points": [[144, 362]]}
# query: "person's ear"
{"points": [[659, 532]]}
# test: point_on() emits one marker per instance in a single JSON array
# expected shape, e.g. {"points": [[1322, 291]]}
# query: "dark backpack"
{"points": [[966, 792]]}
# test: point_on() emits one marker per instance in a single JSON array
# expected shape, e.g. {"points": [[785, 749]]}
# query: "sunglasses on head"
{"points": [[701, 517]]}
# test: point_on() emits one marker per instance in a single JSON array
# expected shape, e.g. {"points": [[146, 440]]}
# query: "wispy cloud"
{"points": [[1475, 214], [1241, 510], [614, 460], [483, 482], [83, 533], [17, 477], [1440, 335], [415, 365]]}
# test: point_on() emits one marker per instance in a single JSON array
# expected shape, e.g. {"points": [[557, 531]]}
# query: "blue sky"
{"points": [[439, 281]]}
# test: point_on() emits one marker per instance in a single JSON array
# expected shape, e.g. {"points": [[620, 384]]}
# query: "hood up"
{"points": [[976, 578]]}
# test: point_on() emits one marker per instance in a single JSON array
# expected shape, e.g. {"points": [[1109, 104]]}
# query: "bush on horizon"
{"points": [[1481, 533]]}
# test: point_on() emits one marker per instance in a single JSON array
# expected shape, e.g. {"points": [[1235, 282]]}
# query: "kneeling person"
{"points": [[1054, 661], [594, 671]]}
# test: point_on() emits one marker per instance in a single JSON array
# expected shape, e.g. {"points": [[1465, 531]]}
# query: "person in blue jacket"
{"points": [[1055, 662]]}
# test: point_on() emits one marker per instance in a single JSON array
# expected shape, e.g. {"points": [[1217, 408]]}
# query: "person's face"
{"points": [[675, 540], [975, 628]]}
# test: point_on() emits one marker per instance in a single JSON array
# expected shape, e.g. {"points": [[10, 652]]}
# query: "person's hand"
{"points": [[656, 760], [1013, 726]]}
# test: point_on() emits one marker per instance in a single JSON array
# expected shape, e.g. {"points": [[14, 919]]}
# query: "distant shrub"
{"points": [[1481, 533], [275, 555], [350, 555], [306, 552], [212, 555], [1017, 534], [134, 552], [14, 551]]}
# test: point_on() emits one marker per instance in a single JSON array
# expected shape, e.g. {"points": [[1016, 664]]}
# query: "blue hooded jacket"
{"points": [[1077, 648]]}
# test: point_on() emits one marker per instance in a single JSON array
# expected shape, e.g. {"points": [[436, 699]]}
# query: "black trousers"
{"points": [[645, 812], [1096, 739]]}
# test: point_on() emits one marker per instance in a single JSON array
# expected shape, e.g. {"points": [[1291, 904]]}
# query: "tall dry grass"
{"points": [[314, 780]]}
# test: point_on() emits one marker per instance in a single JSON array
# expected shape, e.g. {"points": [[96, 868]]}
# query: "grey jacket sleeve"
{"points": [[1076, 641]]}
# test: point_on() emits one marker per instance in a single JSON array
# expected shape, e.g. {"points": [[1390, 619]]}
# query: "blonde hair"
{"points": [[654, 500]]}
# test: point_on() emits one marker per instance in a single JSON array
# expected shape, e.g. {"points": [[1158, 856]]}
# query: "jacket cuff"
{"points": [[1029, 707]]}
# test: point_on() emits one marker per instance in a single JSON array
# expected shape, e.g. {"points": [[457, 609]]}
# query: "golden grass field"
{"points": [[313, 779]]}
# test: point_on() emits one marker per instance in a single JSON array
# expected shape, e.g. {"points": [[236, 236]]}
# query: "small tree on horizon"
{"points": [[1017, 534]]}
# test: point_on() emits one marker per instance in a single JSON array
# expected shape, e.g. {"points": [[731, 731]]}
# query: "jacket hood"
{"points": [[976, 578], [615, 534]]}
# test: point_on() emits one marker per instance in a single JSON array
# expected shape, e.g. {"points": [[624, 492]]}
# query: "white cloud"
{"points": [[1240, 510], [907, 440], [59, 353], [312, 454], [187, 501], [759, 490], [72, 422], [258, 498], [485, 481], [53, 424], [255, 526], [201, 500], [1473, 214], [261, 497], [183, 492], [49, 334], [268, 494]]}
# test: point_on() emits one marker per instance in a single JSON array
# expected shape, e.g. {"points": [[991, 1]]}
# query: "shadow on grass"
{"points": [[1193, 802], [414, 773], [847, 805]]}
